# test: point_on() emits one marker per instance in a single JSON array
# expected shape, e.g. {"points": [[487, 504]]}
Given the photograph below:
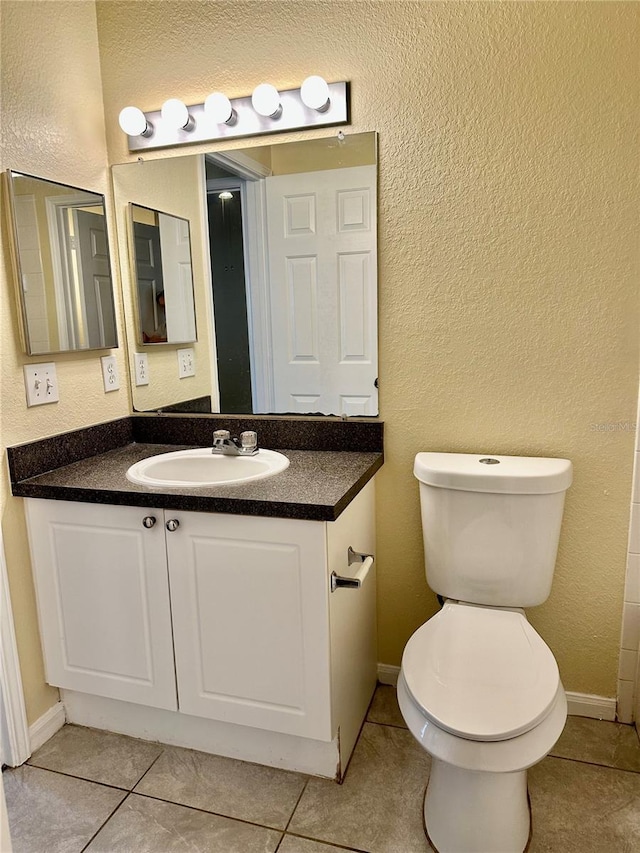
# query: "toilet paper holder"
{"points": [[365, 561]]}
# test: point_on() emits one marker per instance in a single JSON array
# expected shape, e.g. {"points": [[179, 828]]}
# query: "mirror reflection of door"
{"points": [[94, 274], [178, 281], [164, 276], [322, 269], [150, 282], [224, 207], [62, 266]]}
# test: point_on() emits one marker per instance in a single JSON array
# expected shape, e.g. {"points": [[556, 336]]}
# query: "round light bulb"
{"points": [[175, 113], [266, 100], [132, 120], [218, 108], [315, 93]]}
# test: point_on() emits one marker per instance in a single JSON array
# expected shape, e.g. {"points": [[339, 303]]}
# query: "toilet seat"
{"points": [[480, 673]]}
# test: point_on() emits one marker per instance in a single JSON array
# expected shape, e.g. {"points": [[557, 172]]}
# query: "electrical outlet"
{"points": [[41, 383], [186, 362], [110, 373], [141, 368]]}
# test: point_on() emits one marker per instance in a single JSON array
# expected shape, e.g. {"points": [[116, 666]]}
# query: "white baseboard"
{"points": [[46, 726], [579, 704], [596, 707], [388, 674]]}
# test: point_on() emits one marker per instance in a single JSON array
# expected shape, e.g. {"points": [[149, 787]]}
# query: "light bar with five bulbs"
{"points": [[315, 104]]}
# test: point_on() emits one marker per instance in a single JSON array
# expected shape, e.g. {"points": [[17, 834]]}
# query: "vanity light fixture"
{"points": [[266, 101], [316, 104], [218, 108], [176, 114], [315, 93], [134, 122]]}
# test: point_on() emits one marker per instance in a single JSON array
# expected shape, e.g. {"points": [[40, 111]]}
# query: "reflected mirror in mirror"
{"points": [[164, 281], [283, 241], [62, 267]]}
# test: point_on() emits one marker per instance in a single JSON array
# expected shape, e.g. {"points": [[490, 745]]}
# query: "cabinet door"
{"points": [[250, 615], [103, 600]]}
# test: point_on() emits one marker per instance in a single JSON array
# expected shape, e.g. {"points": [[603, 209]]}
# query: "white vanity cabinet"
{"points": [[224, 617]]}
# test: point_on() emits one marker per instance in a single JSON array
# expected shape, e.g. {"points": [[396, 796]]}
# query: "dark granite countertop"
{"points": [[317, 485]]}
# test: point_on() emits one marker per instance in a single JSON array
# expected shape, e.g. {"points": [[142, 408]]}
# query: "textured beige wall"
{"points": [[508, 246], [174, 186], [53, 127]]}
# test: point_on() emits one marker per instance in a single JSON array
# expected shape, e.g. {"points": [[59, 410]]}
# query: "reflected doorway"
{"points": [[225, 207]]}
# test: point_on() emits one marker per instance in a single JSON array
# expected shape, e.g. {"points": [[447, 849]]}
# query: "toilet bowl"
{"points": [[480, 690], [478, 687]]}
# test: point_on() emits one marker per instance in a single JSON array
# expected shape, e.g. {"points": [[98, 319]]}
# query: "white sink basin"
{"points": [[201, 467]]}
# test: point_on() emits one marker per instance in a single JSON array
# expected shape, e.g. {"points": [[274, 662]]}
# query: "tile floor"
{"points": [[95, 791]]}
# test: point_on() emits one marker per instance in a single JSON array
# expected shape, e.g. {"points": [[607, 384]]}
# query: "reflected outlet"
{"points": [[186, 363], [141, 363]]}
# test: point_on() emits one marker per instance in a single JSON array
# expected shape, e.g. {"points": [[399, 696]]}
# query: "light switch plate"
{"points": [[110, 373], [186, 363], [141, 363], [41, 383]]}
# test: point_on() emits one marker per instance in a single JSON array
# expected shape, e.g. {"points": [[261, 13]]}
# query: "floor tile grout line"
{"points": [[102, 826], [325, 841], [208, 811], [293, 811], [389, 725], [161, 753], [594, 764], [279, 844], [28, 763], [73, 776]]}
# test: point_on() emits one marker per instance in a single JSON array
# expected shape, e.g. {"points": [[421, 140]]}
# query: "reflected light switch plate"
{"points": [[110, 373], [141, 363]]}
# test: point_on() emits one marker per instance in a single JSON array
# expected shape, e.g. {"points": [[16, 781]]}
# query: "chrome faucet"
{"points": [[225, 444]]}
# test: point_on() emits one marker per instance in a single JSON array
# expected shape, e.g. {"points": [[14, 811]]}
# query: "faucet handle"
{"points": [[249, 440], [220, 435]]}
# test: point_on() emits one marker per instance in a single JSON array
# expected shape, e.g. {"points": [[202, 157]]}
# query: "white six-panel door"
{"points": [[103, 600], [323, 281], [178, 279]]}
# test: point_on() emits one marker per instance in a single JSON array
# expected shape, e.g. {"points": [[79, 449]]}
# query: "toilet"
{"points": [[478, 687]]}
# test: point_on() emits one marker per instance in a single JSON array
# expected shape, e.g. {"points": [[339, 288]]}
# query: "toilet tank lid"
{"points": [[486, 472]]}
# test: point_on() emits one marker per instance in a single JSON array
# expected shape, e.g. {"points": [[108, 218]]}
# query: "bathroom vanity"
{"points": [[171, 616]]}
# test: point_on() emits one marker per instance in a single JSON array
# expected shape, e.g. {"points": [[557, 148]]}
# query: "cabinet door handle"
{"points": [[148, 521], [172, 524]]}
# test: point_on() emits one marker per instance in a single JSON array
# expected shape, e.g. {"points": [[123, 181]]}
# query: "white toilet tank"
{"points": [[491, 525]]}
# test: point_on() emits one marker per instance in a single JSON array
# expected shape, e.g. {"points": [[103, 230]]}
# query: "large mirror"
{"points": [[60, 252], [161, 246], [284, 263]]}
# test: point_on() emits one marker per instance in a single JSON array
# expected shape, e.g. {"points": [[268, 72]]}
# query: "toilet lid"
{"points": [[480, 673]]}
